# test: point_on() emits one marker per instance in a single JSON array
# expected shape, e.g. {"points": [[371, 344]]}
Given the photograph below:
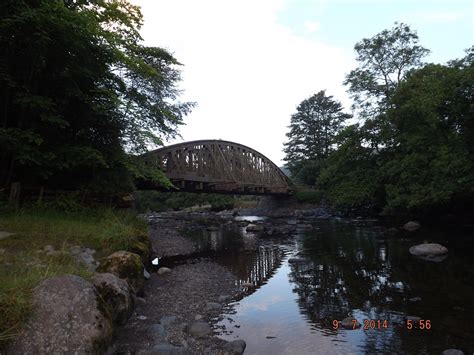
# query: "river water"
{"points": [[304, 284]]}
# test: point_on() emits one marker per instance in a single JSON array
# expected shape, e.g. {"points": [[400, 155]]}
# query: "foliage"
{"points": [[412, 152], [311, 136], [79, 92], [384, 60], [22, 266]]}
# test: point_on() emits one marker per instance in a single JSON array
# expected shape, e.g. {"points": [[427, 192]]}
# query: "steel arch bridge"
{"points": [[219, 166]]}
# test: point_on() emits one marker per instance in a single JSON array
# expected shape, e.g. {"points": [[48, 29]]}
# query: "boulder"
{"points": [[142, 246], [116, 294], [127, 266], [428, 249], [199, 329], [68, 317], [235, 346], [412, 226]]}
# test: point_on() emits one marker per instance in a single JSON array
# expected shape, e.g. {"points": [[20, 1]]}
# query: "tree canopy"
{"points": [[79, 93], [311, 137], [411, 151]]}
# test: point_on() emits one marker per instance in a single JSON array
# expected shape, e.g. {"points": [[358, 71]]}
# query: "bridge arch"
{"points": [[219, 166]]}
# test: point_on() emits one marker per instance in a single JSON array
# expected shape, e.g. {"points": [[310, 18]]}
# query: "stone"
{"points": [[412, 226], [76, 249], [247, 284], [428, 249], [87, 260], [116, 294], [304, 226], [415, 299], [163, 271], [146, 274], [167, 320], [48, 248], [452, 352], [235, 346], [297, 261], [68, 317], [127, 266], [165, 349], [142, 247], [224, 298], [254, 227], [4, 234], [199, 329], [158, 331], [142, 317], [348, 323], [198, 317], [213, 306]]}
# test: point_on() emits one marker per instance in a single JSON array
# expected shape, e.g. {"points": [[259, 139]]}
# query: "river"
{"points": [[302, 285]]}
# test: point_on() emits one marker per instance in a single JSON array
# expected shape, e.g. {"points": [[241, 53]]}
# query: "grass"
{"points": [[23, 264]]}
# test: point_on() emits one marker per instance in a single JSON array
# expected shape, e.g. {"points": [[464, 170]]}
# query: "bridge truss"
{"points": [[219, 166]]}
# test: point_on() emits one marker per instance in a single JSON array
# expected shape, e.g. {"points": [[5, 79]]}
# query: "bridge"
{"points": [[219, 166]]}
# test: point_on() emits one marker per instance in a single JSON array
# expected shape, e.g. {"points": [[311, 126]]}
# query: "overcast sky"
{"points": [[249, 63]]}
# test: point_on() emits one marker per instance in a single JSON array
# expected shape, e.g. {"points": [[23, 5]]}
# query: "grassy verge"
{"points": [[24, 263]]}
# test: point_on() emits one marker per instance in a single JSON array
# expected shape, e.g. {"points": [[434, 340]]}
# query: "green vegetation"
{"points": [[411, 153], [164, 201], [24, 262], [80, 94]]}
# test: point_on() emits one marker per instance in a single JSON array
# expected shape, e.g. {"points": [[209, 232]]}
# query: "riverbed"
{"points": [[293, 289]]}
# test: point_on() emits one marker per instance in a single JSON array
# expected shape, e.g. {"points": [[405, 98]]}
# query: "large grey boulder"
{"points": [[428, 249], [116, 294], [127, 266], [68, 317]]}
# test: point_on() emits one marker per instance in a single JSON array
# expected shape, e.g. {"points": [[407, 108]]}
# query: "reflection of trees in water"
{"points": [[253, 266], [340, 271]]}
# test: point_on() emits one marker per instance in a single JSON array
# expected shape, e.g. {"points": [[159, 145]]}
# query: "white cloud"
{"points": [[246, 71], [311, 26]]}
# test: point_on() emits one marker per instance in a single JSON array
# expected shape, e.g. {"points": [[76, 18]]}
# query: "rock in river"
{"points": [[412, 226], [428, 249], [67, 318], [452, 352]]}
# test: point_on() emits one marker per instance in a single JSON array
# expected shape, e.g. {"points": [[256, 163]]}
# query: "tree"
{"points": [[432, 163], [384, 60], [79, 92], [311, 136]]}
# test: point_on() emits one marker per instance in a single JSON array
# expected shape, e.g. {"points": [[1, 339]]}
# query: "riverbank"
{"points": [[36, 244]]}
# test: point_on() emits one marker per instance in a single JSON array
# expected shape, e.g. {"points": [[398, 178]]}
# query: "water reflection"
{"points": [[343, 270]]}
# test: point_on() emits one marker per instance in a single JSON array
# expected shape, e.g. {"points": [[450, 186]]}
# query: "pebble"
{"points": [[198, 317], [167, 320], [235, 346], [213, 306], [415, 299], [199, 329], [224, 298], [146, 274], [163, 271], [452, 352], [142, 317]]}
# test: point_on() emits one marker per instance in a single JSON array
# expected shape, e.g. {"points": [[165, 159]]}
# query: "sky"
{"points": [[249, 63]]}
